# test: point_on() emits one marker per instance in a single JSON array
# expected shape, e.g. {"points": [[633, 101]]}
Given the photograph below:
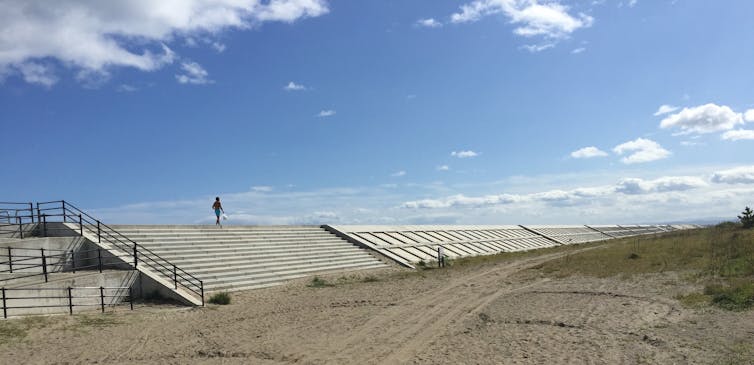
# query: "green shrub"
{"points": [[318, 282], [221, 298], [737, 295]]}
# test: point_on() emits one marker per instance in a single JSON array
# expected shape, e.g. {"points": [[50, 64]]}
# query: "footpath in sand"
{"points": [[498, 312]]}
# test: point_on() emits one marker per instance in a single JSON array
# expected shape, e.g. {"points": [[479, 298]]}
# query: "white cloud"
{"points": [[193, 74], [550, 19], [588, 152], [632, 3], [634, 186], [219, 47], [292, 86], [708, 118], [558, 197], [641, 150], [126, 88], [96, 35], [738, 175], [461, 200], [535, 48], [665, 109], [398, 174], [749, 115], [443, 168], [36, 73], [326, 113], [261, 189], [578, 50], [739, 134], [429, 23], [464, 154]]}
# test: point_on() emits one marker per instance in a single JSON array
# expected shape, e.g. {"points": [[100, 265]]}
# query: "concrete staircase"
{"points": [[248, 257]]}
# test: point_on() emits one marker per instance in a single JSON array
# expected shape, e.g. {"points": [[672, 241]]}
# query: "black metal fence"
{"points": [[56, 300], [44, 214], [15, 218], [30, 262]]}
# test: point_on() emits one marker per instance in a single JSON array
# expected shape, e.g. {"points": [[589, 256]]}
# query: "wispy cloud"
{"points": [[292, 86], [665, 109], [193, 73], [429, 23], [398, 173], [578, 50], [641, 150], [588, 152], [261, 189], [464, 154], [326, 113], [551, 19], [739, 134], [443, 168], [536, 48]]}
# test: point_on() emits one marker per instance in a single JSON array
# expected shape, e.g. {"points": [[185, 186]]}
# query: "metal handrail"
{"points": [[119, 290], [139, 253]]}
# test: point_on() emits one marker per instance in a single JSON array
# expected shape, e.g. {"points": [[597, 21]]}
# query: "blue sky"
{"points": [[380, 112]]}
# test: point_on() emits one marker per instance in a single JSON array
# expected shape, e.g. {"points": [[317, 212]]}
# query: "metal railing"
{"points": [[43, 261], [70, 298], [15, 216], [133, 254]]}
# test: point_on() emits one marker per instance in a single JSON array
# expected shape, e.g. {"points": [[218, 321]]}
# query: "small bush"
{"points": [[727, 225], [221, 298], [318, 282], [633, 256], [735, 296]]}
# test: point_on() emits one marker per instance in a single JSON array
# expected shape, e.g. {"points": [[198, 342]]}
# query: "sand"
{"points": [[493, 313]]}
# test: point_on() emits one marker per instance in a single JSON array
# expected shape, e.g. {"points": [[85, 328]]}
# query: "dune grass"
{"points": [[721, 256]]}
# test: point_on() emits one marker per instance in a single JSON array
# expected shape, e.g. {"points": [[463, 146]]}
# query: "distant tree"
{"points": [[747, 218]]}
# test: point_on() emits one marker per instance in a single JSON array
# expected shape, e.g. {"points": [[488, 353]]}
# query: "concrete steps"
{"points": [[248, 257]]}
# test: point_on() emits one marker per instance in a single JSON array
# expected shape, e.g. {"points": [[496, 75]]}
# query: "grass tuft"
{"points": [[221, 298], [318, 282]]}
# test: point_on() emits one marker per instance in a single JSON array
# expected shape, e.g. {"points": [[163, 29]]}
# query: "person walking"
{"points": [[218, 207]]}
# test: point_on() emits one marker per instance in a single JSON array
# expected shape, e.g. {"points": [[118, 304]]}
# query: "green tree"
{"points": [[747, 218]]}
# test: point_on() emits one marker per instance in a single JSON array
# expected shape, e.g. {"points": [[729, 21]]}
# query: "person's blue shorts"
{"points": [[217, 212]]}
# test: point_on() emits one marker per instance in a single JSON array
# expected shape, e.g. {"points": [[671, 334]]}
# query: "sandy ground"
{"points": [[493, 313]]}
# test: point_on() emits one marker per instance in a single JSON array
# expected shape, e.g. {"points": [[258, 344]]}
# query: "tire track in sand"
{"points": [[400, 331]]}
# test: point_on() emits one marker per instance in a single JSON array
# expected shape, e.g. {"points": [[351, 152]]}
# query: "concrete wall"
{"points": [[85, 295]]}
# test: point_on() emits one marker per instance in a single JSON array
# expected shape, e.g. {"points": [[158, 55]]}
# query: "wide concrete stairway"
{"points": [[248, 257]]}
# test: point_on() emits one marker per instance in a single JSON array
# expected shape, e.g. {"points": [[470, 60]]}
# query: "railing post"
{"points": [[10, 261], [81, 226], [99, 233], [136, 257], [44, 224], [99, 259], [201, 287], [44, 264], [64, 213], [73, 261], [31, 211], [70, 301], [131, 297], [102, 298], [5, 307], [20, 226], [39, 214], [175, 277]]}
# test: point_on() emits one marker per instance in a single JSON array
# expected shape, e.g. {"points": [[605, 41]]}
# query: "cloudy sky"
{"points": [[380, 111]]}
